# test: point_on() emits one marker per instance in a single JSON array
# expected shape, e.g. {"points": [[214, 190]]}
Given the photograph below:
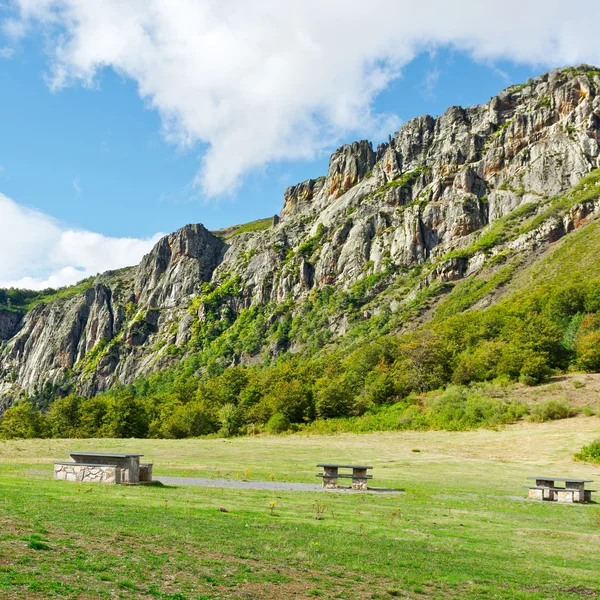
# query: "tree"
{"points": [[191, 420], [231, 419], [22, 421], [63, 416], [588, 351], [125, 416], [334, 397]]}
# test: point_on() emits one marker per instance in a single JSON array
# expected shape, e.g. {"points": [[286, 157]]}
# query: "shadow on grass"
{"points": [[160, 484], [376, 490]]}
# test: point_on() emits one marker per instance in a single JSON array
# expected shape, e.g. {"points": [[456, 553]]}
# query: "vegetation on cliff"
{"points": [[548, 322], [418, 266]]}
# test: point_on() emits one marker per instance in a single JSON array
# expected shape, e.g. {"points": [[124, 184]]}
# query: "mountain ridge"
{"points": [[389, 225]]}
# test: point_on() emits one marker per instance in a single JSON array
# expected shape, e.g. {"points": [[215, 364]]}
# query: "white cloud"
{"points": [[76, 185], [268, 80], [429, 83], [43, 253]]}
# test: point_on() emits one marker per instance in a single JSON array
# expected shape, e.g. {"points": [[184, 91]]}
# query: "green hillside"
{"points": [[526, 315]]}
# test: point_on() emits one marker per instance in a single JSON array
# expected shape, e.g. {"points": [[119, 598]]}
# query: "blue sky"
{"points": [[122, 121]]}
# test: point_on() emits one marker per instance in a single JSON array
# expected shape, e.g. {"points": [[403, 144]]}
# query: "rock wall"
{"points": [[87, 473]]}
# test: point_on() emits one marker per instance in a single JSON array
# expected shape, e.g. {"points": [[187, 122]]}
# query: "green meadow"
{"points": [[460, 528]]}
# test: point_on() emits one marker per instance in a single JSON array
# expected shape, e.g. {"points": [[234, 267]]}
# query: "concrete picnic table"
{"points": [[574, 490], [331, 475]]}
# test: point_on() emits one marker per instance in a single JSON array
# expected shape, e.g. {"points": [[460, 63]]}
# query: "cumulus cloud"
{"points": [[269, 80], [44, 253]]}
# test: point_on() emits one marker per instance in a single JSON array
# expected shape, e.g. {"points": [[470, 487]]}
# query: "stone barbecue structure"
{"points": [[101, 467]]}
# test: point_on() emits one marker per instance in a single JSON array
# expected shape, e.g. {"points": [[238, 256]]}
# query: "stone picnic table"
{"points": [[104, 467], [331, 475], [573, 491]]}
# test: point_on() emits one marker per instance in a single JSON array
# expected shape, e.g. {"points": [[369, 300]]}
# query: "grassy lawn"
{"points": [[461, 529]]}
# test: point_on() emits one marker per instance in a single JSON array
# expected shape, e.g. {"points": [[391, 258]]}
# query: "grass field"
{"points": [[461, 529]]}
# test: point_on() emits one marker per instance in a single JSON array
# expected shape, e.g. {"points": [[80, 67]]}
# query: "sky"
{"points": [[123, 120]]}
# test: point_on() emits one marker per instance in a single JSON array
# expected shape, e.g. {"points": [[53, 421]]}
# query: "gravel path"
{"points": [[259, 485], [237, 483], [246, 485]]}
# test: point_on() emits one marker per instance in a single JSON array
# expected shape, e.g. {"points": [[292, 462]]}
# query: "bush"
{"points": [[278, 423], [535, 370], [552, 410], [480, 364], [589, 453], [459, 408]]}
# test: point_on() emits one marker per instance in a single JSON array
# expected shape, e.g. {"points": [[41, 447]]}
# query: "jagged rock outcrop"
{"points": [[430, 189], [177, 265]]}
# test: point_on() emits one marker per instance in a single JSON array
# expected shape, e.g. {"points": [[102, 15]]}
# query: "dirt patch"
{"points": [[579, 390]]}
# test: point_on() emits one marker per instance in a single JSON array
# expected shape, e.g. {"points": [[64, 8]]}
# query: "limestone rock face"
{"points": [[177, 265], [430, 188], [348, 165]]}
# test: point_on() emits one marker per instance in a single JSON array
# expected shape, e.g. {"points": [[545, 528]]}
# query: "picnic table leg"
{"points": [[359, 479], [330, 477], [535, 494], [565, 496], [548, 494], [579, 493]]}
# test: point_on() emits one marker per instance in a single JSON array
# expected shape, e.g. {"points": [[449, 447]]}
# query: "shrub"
{"points": [[552, 410], [535, 369], [589, 453], [459, 408], [480, 364], [278, 423]]}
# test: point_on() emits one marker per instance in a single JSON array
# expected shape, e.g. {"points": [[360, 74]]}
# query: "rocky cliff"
{"points": [[417, 204]]}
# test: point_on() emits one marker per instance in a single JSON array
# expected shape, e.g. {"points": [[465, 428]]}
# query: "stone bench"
{"points": [[559, 494]]}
